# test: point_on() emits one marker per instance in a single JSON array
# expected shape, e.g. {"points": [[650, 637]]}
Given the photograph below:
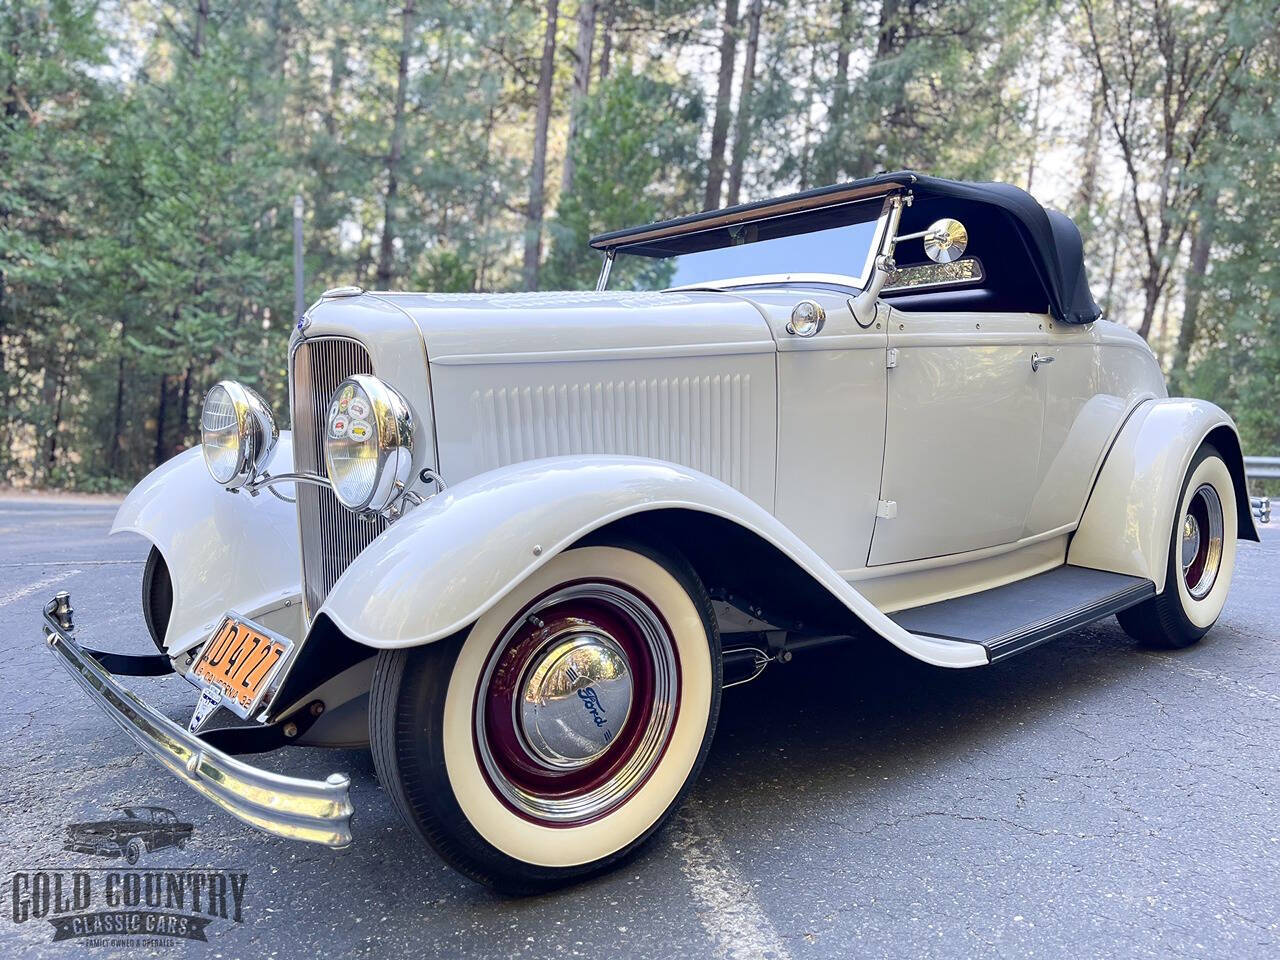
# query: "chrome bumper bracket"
{"points": [[312, 810]]}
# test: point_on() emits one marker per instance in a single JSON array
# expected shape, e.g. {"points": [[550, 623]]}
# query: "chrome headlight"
{"points": [[237, 433], [368, 443]]}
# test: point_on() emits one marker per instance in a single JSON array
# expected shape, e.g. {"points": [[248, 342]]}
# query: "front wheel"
{"points": [[1202, 555], [552, 738]]}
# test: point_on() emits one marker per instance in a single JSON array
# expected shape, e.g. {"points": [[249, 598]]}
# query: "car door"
{"points": [[962, 433], [150, 830], [161, 832], [831, 409]]}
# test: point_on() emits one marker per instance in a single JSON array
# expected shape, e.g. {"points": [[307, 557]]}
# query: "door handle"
{"points": [[1037, 360]]}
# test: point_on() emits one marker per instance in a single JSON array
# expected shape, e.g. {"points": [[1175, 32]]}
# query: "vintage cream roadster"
{"points": [[518, 543]]}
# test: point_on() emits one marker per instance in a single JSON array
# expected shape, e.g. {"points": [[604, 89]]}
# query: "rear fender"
{"points": [[448, 561], [1128, 521], [224, 551]]}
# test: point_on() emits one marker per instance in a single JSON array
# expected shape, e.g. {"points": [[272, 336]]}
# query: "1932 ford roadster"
{"points": [[518, 543]]}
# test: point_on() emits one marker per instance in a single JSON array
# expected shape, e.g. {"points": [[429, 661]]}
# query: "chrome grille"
{"points": [[331, 535]]}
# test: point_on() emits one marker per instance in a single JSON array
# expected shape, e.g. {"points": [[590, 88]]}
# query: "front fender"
{"points": [[224, 551], [1128, 521], [449, 560]]}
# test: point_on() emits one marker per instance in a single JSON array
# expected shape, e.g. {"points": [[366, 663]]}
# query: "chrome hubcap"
{"points": [[1201, 551], [576, 699], [1190, 540], [577, 703]]}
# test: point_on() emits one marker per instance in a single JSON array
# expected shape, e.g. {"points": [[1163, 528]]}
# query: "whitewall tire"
{"points": [[549, 740], [1202, 554]]}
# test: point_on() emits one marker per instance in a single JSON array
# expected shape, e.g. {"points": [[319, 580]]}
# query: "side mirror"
{"points": [[945, 240]]}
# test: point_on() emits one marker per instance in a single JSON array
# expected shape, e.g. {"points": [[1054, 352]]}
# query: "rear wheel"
{"points": [[134, 850], [157, 597], [552, 738], [1202, 553]]}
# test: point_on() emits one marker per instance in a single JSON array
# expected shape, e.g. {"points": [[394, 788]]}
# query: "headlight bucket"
{"points": [[368, 444], [237, 433]]}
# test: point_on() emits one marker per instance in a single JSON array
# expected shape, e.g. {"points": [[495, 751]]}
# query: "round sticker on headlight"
{"points": [[338, 426], [358, 409], [359, 431]]}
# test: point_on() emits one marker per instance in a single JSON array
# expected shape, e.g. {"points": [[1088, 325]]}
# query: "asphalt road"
{"points": [[1086, 799]]}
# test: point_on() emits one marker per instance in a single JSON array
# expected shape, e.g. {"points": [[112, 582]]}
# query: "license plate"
{"points": [[239, 662]]}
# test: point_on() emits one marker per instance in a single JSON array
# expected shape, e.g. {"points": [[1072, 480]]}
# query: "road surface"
{"points": [[1085, 799]]}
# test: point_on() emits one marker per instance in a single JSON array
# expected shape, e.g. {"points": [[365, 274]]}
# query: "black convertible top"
{"points": [[1033, 258]]}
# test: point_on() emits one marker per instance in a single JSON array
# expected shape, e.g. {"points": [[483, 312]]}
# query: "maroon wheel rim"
{"points": [[1202, 541], [525, 781]]}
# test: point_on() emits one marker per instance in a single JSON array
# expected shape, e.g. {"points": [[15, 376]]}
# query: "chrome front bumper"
{"points": [[313, 810]]}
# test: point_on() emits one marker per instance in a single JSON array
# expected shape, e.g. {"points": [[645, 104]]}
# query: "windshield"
{"points": [[837, 243]]}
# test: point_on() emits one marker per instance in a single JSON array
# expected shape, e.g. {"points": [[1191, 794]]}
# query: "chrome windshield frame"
{"points": [[858, 281], [605, 266]]}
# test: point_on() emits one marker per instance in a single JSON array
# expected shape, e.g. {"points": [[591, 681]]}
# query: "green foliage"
{"points": [[935, 95], [148, 162], [636, 156], [1236, 356]]}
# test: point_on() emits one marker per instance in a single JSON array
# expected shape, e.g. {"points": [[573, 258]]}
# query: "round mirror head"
{"points": [[945, 240]]}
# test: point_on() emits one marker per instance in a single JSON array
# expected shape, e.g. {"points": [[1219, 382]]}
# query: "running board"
{"points": [[1023, 614]]}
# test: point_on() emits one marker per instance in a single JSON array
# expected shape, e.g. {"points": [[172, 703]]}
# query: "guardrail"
{"points": [[1262, 466], [1258, 468]]}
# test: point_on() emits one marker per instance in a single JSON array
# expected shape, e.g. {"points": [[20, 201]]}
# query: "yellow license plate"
{"points": [[239, 660]]}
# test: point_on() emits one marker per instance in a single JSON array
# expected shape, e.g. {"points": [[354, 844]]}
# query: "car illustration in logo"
{"points": [[135, 831]]}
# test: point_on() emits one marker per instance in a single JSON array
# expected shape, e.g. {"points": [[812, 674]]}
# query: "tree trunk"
{"points": [[280, 24], [1197, 270], [1158, 339], [581, 85], [606, 42], [1117, 231], [724, 96], [202, 22], [337, 71], [1150, 300], [55, 425], [184, 403], [830, 163], [161, 411], [485, 203], [1088, 194], [386, 249], [887, 30], [1035, 119], [807, 151], [742, 123], [538, 175], [844, 45], [888, 42], [117, 418]]}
